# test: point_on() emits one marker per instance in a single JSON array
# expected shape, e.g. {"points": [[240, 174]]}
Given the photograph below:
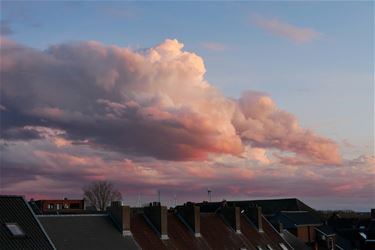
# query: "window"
{"points": [[282, 245], [50, 206], [15, 229], [66, 206]]}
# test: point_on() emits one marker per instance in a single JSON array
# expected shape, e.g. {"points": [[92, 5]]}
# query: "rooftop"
{"points": [[297, 218], [19, 228], [269, 207], [85, 232]]}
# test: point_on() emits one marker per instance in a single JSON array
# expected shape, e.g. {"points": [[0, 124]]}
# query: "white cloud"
{"points": [[283, 29]]}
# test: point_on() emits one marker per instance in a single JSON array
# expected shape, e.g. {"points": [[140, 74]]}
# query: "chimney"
{"points": [[281, 227], [121, 216], [331, 242], [232, 216], [156, 216], [189, 214], [255, 215]]}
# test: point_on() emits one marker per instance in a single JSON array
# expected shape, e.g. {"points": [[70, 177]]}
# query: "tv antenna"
{"points": [[209, 193]]}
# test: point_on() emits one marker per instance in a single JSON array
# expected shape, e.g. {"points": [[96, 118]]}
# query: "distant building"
{"points": [[367, 236], [301, 223], [65, 206]]}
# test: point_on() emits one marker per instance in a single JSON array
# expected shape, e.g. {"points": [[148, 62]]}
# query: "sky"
{"points": [[252, 100]]}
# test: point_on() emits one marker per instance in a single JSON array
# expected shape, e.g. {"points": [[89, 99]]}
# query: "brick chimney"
{"points": [[121, 216], [331, 241], [156, 216], [255, 215], [189, 214], [232, 216]]}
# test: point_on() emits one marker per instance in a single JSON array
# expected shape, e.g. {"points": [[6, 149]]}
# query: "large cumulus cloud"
{"points": [[152, 102]]}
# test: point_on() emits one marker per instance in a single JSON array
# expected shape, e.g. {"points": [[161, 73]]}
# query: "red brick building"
{"points": [[64, 206]]}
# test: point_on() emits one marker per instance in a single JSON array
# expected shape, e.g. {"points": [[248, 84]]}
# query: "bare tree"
{"points": [[100, 194]]}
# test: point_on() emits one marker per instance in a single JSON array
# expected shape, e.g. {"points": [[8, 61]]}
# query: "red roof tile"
{"points": [[219, 235], [143, 234]]}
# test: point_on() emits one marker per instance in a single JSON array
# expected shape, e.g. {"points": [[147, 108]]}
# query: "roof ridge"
{"points": [[11, 195]]}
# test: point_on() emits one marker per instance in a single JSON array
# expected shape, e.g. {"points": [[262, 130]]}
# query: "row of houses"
{"points": [[261, 225]]}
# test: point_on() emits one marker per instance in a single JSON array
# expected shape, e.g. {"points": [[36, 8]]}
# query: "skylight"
{"points": [[363, 235], [15, 229], [269, 247], [283, 246]]}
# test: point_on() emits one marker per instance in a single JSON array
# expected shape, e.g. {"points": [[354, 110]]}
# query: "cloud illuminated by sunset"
{"points": [[153, 102]]}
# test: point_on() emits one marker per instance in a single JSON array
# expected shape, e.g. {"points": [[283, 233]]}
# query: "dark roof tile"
{"points": [[295, 242], [14, 209], [143, 234], [291, 219], [85, 232], [269, 207]]}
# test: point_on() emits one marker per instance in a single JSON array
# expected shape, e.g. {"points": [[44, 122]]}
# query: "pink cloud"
{"points": [[154, 102], [286, 30], [60, 172], [259, 122]]}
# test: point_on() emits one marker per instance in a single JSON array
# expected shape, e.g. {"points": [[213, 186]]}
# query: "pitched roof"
{"points": [[340, 241], [272, 234], [269, 207], [219, 235], [180, 237], [85, 232], [269, 237], [325, 229], [14, 209], [215, 234], [295, 242], [143, 234], [291, 219]]}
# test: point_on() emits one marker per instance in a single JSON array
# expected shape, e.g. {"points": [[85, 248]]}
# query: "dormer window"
{"points": [[15, 229]]}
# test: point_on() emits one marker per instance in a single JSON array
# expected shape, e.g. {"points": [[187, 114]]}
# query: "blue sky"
{"points": [[327, 81]]}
